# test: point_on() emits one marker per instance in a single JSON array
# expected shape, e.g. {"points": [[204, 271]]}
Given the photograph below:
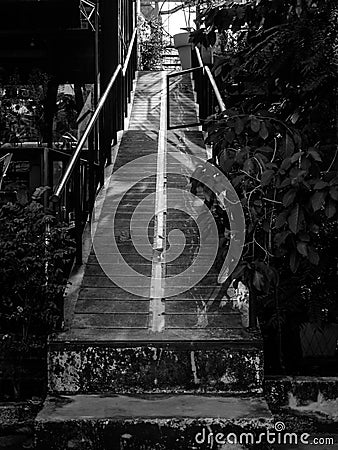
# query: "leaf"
{"points": [[302, 248], [266, 226], [295, 157], [330, 209], [263, 132], [238, 271], [229, 136], [249, 166], [239, 126], [285, 164], [289, 145], [225, 161], [267, 177], [321, 185], [281, 219], [315, 155], [258, 280], [237, 180], [265, 149], [334, 193], [313, 256], [294, 261], [211, 38], [285, 183], [262, 159], [318, 199], [334, 181], [289, 197], [255, 124], [281, 237], [295, 219]]}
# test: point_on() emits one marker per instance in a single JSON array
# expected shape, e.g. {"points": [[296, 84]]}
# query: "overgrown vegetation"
{"points": [[152, 43], [276, 142], [35, 255], [21, 108]]}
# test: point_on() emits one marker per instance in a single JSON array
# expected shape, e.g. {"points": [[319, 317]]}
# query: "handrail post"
{"points": [[101, 149], [120, 113], [78, 213], [109, 127], [125, 99], [91, 170]]}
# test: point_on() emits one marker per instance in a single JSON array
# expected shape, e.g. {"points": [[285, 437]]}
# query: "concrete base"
{"points": [[313, 396], [86, 422], [167, 368]]}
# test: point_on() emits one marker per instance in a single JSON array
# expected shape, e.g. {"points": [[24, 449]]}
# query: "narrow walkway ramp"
{"points": [[140, 324], [139, 212]]}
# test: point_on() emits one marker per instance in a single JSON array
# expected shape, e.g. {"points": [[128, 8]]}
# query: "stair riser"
{"points": [[169, 434], [96, 369]]}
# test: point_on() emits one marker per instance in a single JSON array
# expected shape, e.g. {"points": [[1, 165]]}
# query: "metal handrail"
{"points": [[200, 61], [60, 152], [212, 81], [130, 49], [74, 159]]}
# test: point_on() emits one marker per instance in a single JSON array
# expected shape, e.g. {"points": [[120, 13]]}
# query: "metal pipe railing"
{"points": [[130, 50], [212, 80], [75, 157], [75, 192], [199, 58]]}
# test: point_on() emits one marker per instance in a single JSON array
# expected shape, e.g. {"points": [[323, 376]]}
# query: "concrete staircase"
{"points": [[144, 369]]}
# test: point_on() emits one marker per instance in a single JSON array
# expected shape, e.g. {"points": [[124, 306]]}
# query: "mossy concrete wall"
{"points": [[91, 369]]}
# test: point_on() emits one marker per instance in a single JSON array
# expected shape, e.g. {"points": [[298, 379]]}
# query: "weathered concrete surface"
{"points": [[311, 396], [170, 368], [147, 422], [18, 413], [278, 390]]}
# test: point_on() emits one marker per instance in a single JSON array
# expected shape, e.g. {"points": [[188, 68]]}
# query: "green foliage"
{"points": [[285, 195], [35, 250], [65, 117], [152, 43], [21, 108], [284, 59], [276, 141]]}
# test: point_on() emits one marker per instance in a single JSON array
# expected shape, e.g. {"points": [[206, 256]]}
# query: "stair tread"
{"points": [[156, 407], [97, 335]]}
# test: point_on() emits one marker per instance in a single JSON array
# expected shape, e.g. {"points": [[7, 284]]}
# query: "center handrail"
{"points": [[212, 80], [75, 157]]}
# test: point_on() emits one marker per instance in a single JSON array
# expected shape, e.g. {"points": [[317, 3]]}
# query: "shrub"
{"points": [[32, 270]]}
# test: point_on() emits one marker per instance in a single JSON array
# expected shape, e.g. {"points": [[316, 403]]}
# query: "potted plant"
{"points": [[184, 47]]}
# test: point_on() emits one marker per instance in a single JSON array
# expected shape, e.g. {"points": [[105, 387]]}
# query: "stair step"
{"points": [[161, 422], [186, 366]]}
